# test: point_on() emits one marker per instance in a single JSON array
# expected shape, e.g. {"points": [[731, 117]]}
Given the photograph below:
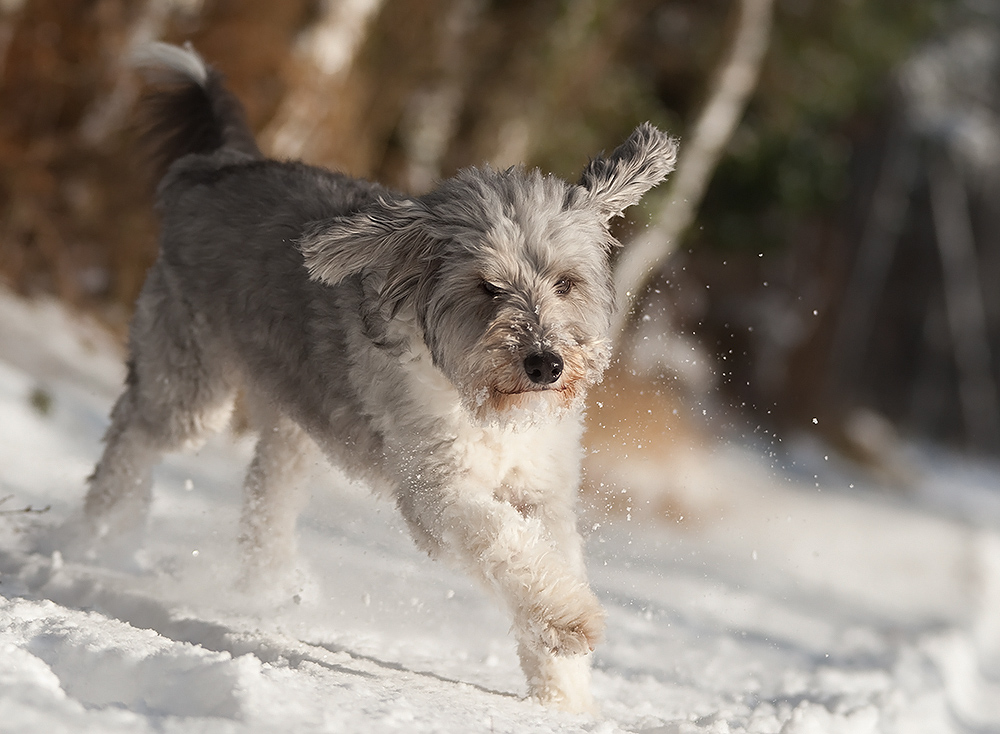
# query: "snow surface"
{"points": [[806, 600]]}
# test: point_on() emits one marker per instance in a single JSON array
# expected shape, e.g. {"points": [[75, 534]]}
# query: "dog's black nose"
{"points": [[543, 367]]}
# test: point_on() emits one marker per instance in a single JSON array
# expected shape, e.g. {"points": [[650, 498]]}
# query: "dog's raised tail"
{"points": [[188, 108]]}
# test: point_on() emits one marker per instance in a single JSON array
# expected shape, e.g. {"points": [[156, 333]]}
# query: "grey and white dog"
{"points": [[437, 347]]}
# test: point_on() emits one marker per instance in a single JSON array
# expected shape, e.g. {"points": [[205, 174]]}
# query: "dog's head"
{"points": [[506, 271]]}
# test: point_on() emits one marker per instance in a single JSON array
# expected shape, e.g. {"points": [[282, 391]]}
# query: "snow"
{"points": [[804, 599]]}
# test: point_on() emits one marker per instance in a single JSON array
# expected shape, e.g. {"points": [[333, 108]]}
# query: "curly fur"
{"points": [[390, 332]]}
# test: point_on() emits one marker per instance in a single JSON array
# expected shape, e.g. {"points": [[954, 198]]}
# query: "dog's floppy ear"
{"points": [[389, 236], [616, 182]]}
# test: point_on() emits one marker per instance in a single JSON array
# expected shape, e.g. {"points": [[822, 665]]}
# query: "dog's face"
{"points": [[516, 303], [507, 272]]}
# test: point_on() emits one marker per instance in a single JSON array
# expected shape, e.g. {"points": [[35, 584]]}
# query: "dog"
{"points": [[438, 347]]}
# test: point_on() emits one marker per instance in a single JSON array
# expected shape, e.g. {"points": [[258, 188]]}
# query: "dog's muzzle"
{"points": [[543, 368]]}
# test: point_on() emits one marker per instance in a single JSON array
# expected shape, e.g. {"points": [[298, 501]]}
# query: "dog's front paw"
{"points": [[574, 627], [560, 682]]}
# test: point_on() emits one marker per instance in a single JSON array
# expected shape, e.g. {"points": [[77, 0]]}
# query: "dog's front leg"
{"points": [[559, 680], [557, 618]]}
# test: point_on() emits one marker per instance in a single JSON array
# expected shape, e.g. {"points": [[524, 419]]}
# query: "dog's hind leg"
{"points": [[176, 393], [120, 491], [274, 495]]}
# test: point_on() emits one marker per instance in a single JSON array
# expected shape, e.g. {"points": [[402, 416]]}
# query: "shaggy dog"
{"points": [[436, 347]]}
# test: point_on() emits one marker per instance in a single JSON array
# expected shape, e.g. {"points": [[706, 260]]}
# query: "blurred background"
{"points": [[825, 265]]}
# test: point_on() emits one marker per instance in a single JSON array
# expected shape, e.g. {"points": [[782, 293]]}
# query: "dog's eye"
{"points": [[491, 289], [563, 286]]}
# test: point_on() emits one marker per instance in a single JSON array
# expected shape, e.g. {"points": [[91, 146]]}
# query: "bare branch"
{"points": [[22, 510], [735, 82]]}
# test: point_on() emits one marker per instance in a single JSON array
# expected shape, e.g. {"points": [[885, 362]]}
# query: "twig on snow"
{"points": [[22, 510]]}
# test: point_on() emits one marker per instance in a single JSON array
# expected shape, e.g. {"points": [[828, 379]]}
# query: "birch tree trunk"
{"points": [[326, 53], [699, 156]]}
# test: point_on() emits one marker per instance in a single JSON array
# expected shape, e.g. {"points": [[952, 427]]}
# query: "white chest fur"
{"points": [[522, 458]]}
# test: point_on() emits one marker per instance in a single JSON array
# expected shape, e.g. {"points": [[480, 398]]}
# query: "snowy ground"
{"points": [[789, 607]]}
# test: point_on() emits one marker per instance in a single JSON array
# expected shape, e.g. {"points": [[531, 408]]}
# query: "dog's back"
{"points": [[231, 223], [224, 203], [225, 207]]}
